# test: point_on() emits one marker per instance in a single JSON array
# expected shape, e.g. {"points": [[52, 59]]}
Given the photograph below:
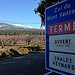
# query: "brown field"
{"points": [[16, 45]]}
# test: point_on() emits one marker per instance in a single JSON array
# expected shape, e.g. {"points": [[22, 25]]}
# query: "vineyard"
{"points": [[20, 43]]}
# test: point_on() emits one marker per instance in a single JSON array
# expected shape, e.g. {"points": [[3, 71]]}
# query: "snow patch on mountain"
{"points": [[1, 26], [18, 25]]}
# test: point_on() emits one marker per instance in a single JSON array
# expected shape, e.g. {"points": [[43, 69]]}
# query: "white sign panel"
{"points": [[64, 62], [62, 43]]}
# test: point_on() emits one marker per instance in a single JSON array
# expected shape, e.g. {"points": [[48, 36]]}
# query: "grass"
{"points": [[20, 50]]}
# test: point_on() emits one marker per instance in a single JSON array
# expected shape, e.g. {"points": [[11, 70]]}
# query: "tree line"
{"points": [[22, 32]]}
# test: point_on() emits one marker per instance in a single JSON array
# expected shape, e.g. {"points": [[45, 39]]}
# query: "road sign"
{"points": [[60, 37]]}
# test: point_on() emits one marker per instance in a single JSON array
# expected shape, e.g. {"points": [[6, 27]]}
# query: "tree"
{"points": [[14, 40], [28, 39], [3, 42], [42, 6]]}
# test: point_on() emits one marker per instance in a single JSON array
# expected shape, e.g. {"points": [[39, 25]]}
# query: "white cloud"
{"points": [[22, 26]]}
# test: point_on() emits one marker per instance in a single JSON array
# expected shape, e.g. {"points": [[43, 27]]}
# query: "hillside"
{"points": [[6, 26]]}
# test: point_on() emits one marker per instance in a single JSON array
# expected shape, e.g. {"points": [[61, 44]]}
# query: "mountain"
{"points": [[6, 26]]}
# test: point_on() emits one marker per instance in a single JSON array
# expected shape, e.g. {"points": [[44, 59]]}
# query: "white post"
{"points": [[41, 37]]}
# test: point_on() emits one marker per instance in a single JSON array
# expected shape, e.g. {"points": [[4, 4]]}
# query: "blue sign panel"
{"points": [[60, 37]]}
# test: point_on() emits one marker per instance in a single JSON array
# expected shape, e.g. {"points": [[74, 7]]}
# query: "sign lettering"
{"points": [[62, 28]]}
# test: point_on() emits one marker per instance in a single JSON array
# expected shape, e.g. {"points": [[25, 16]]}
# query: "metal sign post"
{"points": [[60, 37]]}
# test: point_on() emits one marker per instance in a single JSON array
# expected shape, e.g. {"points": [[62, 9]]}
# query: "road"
{"points": [[32, 64]]}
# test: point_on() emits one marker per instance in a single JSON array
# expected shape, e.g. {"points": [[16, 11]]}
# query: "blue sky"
{"points": [[19, 12]]}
